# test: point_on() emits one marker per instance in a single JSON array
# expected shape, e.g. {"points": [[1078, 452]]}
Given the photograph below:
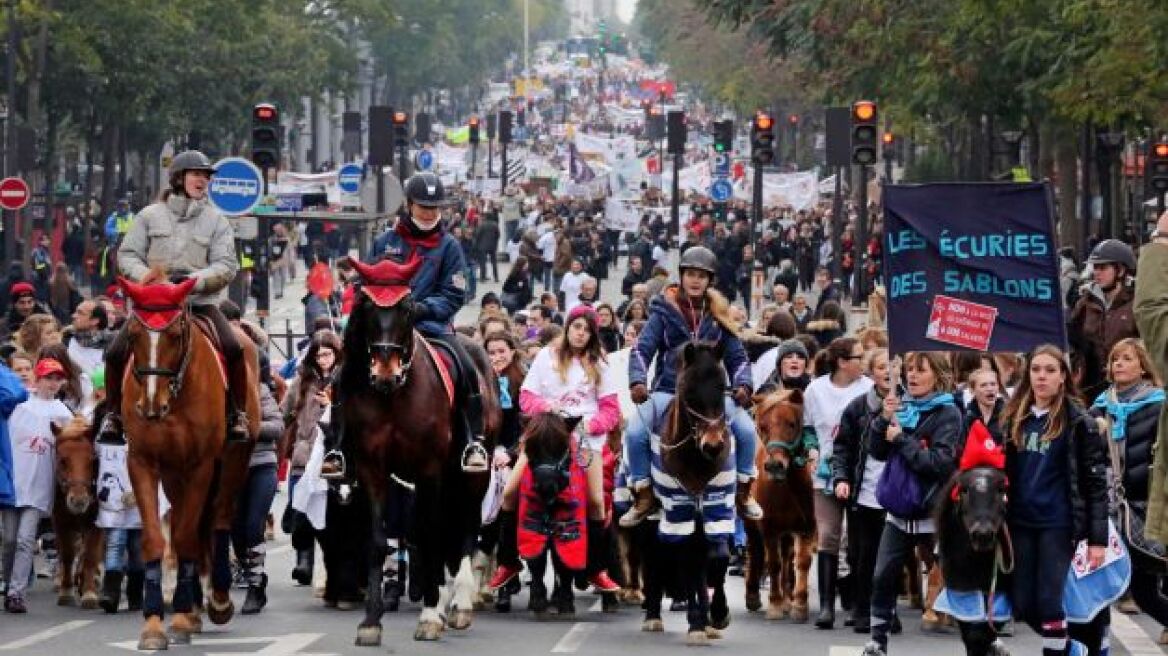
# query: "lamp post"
{"points": [[1109, 145]]}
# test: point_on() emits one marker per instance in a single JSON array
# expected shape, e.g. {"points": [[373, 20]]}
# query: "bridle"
{"points": [[175, 376], [1003, 562], [385, 349], [701, 426]]}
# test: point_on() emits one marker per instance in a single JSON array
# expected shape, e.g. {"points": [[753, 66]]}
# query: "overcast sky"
{"points": [[625, 9]]}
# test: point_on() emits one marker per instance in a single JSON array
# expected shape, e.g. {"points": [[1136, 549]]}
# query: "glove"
{"points": [[640, 393], [742, 397]]}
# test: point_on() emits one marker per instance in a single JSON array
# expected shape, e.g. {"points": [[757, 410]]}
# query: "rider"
{"points": [[184, 233], [438, 290], [691, 310]]}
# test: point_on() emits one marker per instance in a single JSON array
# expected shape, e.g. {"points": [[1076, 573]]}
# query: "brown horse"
{"points": [[784, 540], [80, 542], [174, 409], [398, 412]]}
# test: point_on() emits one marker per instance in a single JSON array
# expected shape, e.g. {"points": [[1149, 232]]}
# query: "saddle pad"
{"points": [[207, 330], [443, 365]]}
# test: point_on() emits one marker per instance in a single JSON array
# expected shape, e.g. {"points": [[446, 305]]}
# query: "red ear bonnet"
{"points": [[387, 282]]}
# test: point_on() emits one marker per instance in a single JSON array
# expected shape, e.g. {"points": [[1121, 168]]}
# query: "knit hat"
{"points": [[792, 346]]}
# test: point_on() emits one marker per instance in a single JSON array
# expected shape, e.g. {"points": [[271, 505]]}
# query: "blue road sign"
{"points": [[349, 178], [721, 190], [237, 186], [425, 160], [722, 164]]}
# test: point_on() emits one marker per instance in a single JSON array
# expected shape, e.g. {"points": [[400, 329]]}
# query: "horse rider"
{"points": [[184, 233], [690, 311], [438, 290]]}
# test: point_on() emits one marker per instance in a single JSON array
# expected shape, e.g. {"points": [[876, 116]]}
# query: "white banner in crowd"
{"points": [[798, 190]]}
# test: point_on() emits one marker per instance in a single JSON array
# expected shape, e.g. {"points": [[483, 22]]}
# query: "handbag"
{"points": [[1148, 556], [900, 492]]}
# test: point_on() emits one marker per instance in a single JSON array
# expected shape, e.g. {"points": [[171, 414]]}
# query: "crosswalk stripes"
{"points": [[47, 634]]}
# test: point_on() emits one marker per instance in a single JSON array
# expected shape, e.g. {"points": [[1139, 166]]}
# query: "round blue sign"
{"points": [[237, 186], [425, 160], [721, 190], [349, 178]]}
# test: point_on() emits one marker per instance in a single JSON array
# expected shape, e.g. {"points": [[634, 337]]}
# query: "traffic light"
{"points": [[422, 125], [676, 137], [762, 139], [401, 129], [655, 128], [473, 129], [265, 136], [1159, 164], [380, 135], [505, 126], [723, 136], [864, 133], [888, 150], [793, 120]]}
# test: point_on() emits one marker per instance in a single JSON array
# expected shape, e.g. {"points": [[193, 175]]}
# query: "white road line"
{"points": [[574, 638], [836, 650], [1134, 639], [47, 634]]}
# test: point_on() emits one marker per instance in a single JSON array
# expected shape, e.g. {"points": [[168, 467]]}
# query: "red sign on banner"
{"points": [[961, 323]]}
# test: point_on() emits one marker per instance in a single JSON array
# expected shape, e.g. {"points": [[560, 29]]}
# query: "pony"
{"points": [[397, 403], [975, 551], [784, 540], [174, 411], [80, 541], [693, 469]]}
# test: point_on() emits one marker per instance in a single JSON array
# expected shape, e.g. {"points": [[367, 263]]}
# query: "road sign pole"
{"points": [[675, 203], [262, 269], [503, 164], [380, 188], [859, 295], [836, 227]]}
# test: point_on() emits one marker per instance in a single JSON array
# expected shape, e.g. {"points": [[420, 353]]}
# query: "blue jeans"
{"points": [[639, 452], [255, 500], [123, 549]]}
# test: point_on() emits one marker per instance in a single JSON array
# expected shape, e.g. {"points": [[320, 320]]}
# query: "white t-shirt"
{"points": [[764, 367], [87, 360], [823, 404], [576, 396], [34, 451], [116, 507], [547, 246], [570, 286]]}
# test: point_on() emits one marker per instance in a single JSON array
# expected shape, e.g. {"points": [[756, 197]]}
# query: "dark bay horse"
{"points": [[80, 541], [975, 549], [697, 477], [397, 408], [173, 407], [784, 540]]}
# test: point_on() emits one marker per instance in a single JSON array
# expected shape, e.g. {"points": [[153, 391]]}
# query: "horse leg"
{"points": [[66, 533], [430, 556], [144, 480], [719, 607], [565, 598], [92, 553], [232, 476], [654, 573], [369, 631], [804, 551], [463, 587], [537, 600], [755, 560], [978, 637], [630, 563], [189, 491], [772, 545], [696, 594]]}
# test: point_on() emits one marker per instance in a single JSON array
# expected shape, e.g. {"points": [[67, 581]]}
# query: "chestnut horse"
{"points": [[398, 413], [81, 543], [174, 411], [784, 540]]}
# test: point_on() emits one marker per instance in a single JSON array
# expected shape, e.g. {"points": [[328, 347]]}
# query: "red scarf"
{"points": [[415, 241]]}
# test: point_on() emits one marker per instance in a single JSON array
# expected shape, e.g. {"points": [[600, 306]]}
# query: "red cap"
{"points": [[19, 289], [582, 310], [981, 450], [47, 367]]}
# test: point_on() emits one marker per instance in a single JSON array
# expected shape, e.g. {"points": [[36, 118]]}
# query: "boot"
{"points": [[843, 585], [111, 591], [111, 429], [643, 505], [257, 596], [597, 556], [302, 573], [508, 553], [335, 466], [748, 508], [237, 428], [828, 570], [134, 582], [474, 456]]}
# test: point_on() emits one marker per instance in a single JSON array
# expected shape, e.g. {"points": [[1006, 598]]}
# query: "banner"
{"points": [[800, 190], [971, 266]]}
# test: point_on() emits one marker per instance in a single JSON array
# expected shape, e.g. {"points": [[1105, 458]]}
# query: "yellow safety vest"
{"points": [[122, 223]]}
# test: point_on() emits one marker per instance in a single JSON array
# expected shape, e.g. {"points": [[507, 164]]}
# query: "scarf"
{"points": [[415, 237], [504, 393], [98, 339], [911, 409], [1120, 409]]}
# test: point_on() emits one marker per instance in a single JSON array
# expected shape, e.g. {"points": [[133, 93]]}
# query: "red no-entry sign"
{"points": [[14, 193]]}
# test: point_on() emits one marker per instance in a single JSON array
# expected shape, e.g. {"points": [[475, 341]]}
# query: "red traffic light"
{"points": [[1161, 150], [264, 112], [888, 138], [864, 110], [400, 118], [764, 121]]}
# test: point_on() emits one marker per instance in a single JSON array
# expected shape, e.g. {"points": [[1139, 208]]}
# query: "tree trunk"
{"points": [[1065, 156], [109, 153]]}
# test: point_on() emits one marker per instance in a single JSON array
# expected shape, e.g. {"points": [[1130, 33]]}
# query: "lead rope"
{"points": [[999, 566]]}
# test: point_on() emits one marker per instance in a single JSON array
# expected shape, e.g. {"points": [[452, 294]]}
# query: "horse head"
{"points": [[382, 322], [701, 395], [779, 417], [76, 464], [159, 333], [547, 441], [979, 495]]}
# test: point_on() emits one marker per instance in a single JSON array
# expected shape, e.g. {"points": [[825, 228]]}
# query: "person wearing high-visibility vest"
{"points": [[118, 222]]}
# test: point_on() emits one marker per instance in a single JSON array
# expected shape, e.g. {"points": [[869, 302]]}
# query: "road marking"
{"points": [[574, 638], [1134, 639], [47, 634], [287, 645]]}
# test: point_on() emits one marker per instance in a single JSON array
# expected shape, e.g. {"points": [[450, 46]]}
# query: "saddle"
{"points": [[446, 363]]}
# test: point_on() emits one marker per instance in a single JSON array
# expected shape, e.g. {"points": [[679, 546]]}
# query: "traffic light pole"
{"points": [[402, 163], [861, 245], [675, 203], [260, 270], [888, 170], [503, 165], [837, 227]]}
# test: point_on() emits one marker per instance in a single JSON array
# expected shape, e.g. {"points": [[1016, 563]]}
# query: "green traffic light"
{"points": [[719, 147]]}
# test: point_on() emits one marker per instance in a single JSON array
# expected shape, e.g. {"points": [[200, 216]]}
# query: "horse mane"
{"points": [[764, 403], [541, 427], [354, 373]]}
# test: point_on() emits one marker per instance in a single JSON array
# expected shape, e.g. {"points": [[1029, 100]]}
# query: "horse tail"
{"points": [[492, 412]]}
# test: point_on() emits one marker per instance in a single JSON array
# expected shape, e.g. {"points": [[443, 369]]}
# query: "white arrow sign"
{"points": [[286, 645]]}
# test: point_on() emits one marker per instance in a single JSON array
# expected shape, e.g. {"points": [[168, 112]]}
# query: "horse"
{"points": [[397, 403], [975, 552], [784, 540], [174, 411], [694, 470], [552, 511], [80, 542]]}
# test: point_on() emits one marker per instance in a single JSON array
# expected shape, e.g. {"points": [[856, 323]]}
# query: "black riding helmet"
{"points": [[1113, 251], [699, 257], [188, 160], [425, 189]]}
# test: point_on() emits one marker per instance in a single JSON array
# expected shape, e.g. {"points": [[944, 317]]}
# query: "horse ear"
{"points": [[687, 353], [572, 422], [720, 350], [795, 396]]}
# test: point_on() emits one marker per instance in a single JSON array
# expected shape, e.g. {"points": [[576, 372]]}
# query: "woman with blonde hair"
{"points": [[37, 331]]}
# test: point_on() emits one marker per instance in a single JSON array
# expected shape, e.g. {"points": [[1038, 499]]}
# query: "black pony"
{"points": [[976, 553]]}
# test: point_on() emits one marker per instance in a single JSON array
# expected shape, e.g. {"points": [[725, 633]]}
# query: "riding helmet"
{"points": [[1113, 251], [425, 189], [191, 160], [699, 257]]}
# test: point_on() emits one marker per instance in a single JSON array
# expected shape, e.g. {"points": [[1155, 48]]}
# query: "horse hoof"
{"points": [[428, 631], [194, 618], [632, 597], [713, 633], [178, 637], [754, 602], [697, 639], [720, 624], [776, 613], [220, 614], [153, 642], [368, 636], [800, 614], [89, 601], [653, 626], [66, 600], [460, 620]]}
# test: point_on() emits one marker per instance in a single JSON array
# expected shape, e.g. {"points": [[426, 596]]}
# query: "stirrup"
{"points": [[334, 456], [475, 451]]}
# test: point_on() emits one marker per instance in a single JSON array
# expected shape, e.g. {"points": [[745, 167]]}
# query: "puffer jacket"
{"points": [[183, 236], [849, 453], [665, 333], [1137, 449], [1095, 327], [930, 449], [439, 286], [271, 428]]}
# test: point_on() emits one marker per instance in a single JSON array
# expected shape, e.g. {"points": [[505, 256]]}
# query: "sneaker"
{"points": [[333, 466], [503, 575], [750, 509], [111, 430], [873, 648], [14, 603], [238, 577], [603, 582]]}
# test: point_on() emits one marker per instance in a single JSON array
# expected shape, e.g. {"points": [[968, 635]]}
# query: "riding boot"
{"points": [[598, 554], [238, 431], [748, 508], [335, 466], [508, 553], [474, 456], [828, 571], [134, 582], [644, 504], [116, 354], [111, 591], [257, 582], [302, 573]]}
